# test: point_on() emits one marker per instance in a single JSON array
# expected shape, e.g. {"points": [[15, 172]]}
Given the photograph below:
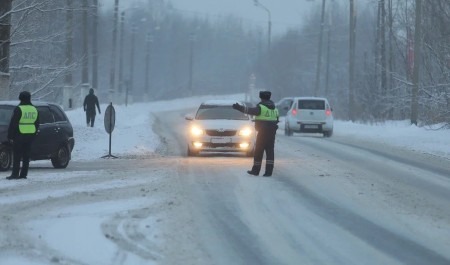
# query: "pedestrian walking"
{"points": [[266, 125], [22, 131], [90, 101]]}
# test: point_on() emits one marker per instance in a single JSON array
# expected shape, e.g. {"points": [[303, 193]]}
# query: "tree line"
{"points": [[379, 61]]}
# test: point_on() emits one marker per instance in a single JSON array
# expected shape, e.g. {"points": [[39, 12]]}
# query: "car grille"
{"points": [[220, 133]]}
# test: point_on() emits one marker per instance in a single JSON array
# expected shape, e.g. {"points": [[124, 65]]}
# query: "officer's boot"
{"points": [[269, 170], [14, 174], [255, 170]]}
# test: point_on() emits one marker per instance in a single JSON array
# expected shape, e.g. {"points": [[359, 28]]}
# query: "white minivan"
{"points": [[309, 115]]}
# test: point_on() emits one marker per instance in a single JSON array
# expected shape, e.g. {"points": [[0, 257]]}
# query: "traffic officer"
{"points": [[22, 130], [266, 120]]}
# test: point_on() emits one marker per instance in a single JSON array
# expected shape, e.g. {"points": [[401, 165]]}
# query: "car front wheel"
{"points": [[5, 158], [191, 152], [61, 158]]}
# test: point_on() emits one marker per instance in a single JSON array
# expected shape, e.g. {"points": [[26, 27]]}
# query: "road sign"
{"points": [[110, 119], [110, 122]]}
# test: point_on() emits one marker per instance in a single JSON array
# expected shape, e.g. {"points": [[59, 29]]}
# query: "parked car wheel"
{"points": [[61, 158], [5, 158]]}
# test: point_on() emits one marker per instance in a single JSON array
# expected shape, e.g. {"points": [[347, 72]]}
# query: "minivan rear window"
{"points": [[311, 104]]}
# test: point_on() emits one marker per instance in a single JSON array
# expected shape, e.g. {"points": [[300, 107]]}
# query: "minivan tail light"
{"points": [[328, 112], [294, 112]]}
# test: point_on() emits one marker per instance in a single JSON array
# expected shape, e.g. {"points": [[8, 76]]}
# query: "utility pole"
{"points": [[95, 47], [68, 78], [417, 58], [5, 32], [327, 77], [149, 41], [112, 81], [85, 63], [319, 54], [121, 55], [352, 52], [131, 88]]}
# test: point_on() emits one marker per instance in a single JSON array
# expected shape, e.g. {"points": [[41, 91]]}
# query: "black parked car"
{"points": [[54, 139]]}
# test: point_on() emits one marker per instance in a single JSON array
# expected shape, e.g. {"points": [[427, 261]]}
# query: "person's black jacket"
{"points": [[90, 101], [13, 130], [255, 111]]}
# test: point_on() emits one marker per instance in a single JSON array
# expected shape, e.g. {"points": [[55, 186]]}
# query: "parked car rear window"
{"points": [[45, 115], [311, 104], [58, 114], [5, 114]]}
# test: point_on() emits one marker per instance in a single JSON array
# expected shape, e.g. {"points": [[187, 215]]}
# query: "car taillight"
{"points": [[294, 112], [328, 112]]}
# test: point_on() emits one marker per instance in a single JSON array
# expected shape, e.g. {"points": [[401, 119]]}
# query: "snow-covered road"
{"points": [[340, 200]]}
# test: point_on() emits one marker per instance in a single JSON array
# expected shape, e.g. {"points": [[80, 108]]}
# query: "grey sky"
{"points": [[285, 13]]}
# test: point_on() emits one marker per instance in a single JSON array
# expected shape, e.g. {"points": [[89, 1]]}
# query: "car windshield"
{"points": [[5, 114], [217, 112], [311, 104]]}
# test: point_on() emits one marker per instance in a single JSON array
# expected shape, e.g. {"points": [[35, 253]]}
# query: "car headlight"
{"points": [[246, 132], [196, 131]]}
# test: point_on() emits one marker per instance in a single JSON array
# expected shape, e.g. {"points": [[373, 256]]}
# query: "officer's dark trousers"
{"points": [[90, 118], [21, 151], [265, 142]]}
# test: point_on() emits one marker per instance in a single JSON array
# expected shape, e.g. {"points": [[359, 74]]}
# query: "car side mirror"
{"points": [[189, 117]]}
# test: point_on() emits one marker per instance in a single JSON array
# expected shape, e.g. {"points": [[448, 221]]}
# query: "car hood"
{"points": [[223, 124]]}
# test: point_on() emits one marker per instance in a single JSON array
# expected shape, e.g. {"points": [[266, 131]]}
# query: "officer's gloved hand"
{"points": [[236, 106]]}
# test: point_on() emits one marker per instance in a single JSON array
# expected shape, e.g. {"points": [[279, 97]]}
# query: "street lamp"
{"points": [[191, 61], [258, 4]]}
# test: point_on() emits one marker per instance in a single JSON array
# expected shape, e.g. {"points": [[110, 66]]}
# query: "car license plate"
{"points": [[311, 126], [220, 140]]}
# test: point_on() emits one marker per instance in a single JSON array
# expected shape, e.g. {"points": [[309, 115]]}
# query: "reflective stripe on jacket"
{"points": [[27, 120], [267, 114]]}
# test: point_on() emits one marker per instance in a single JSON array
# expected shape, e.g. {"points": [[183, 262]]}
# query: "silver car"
{"points": [[217, 127], [309, 115]]}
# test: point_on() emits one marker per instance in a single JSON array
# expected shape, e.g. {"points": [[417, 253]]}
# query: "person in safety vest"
{"points": [[266, 120], [22, 130], [90, 101]]}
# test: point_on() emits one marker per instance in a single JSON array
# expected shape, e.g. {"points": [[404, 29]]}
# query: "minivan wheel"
{"points": [[327, 133], [287, 130], [5, 158], [61, 158]]}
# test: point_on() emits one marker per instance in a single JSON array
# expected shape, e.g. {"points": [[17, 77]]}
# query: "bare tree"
{"points": [[5, 29]]}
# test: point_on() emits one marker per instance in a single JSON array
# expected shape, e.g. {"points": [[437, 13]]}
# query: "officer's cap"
{"points": [[25, 96], [265, 94]]}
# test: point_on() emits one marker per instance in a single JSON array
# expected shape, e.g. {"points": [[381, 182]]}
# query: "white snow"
{"points": [[133, 135]]}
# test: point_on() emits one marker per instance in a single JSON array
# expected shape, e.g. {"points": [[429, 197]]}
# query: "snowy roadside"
{"points": [[133, 133], [395, 133]]}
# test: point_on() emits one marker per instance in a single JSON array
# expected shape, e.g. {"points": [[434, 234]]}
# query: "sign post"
{"points": [[110, 122]]}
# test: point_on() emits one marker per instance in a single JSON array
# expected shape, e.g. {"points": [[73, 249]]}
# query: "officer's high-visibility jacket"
{"points": [[267, 114], [27, 120]]}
